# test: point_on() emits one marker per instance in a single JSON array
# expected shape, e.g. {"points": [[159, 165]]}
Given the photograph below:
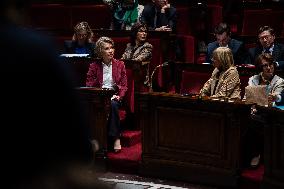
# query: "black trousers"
{"points": [[114, 128]]}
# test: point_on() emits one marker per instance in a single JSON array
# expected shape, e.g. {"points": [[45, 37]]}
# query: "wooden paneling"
{"points": [[189, 139], [273, 148]]}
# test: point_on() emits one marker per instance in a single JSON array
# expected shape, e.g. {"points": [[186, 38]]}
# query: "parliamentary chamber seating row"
{"points": [[59, 20]]}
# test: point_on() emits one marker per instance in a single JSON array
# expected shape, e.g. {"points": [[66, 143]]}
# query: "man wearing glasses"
{"points": [[267, 44]]}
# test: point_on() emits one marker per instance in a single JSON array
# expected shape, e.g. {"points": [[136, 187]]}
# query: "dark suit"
{"points": [[73, 48], [278, 53], [163, 19], [241, 56]]}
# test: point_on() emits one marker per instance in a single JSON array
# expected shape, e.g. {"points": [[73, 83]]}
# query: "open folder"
{"points": [[257, 94]]}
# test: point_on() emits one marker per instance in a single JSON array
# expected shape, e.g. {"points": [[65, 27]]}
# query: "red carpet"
{"points": [[251, 178], [127, 161], [130, 138]]}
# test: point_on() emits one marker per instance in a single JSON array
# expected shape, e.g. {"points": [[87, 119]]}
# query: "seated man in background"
{"points": [[82, 40], [267, 44], [139, 49], [223, 39], [160, 16], [225, 81], [109, 73]]}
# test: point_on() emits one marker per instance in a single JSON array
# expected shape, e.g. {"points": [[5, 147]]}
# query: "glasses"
{"points": [[265, 37], [266, 65]]}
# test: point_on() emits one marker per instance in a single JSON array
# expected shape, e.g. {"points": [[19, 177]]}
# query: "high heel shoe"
{"points": [[117, 146], [255, 161]]}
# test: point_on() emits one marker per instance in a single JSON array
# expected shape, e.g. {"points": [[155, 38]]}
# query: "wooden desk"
{"points": [[273, 147], [80, 67], [189, 139], [207, 68], [97, 102]]}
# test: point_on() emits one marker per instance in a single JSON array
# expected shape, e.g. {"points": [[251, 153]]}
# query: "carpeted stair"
{"points": [[252, 178], [128, 160]]}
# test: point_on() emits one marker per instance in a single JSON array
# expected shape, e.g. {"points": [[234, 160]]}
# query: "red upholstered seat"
{"points": [[253, 19], [187, 46], [215, 14], [183, 20], [120, 45], [201, 58], [192, 82], [254, 174], [50, 16], [98, 16], [128, 101]]}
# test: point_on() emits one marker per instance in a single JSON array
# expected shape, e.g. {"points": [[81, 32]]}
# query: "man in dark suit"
{"points": [[267, 44], [159, 15], [223, 39]]}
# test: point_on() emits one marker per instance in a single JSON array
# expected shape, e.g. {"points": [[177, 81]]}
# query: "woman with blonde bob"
{"points": [[107, 72], [82, 40], [224, 81]]}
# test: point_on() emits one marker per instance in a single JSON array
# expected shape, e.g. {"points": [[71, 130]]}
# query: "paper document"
{"points": [[257, 94]]}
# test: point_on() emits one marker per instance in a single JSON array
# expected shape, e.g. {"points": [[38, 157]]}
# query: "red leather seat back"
{"points": [[98, 16], [129, 97], [253, 19], [50, 16], [192, 82]]}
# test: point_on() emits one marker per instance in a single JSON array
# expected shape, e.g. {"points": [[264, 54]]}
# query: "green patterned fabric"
{"points": [[127, 16]]}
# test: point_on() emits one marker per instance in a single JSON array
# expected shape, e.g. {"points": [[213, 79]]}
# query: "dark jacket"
{"points": [[168, 18], [278, 53], [241, 56]]}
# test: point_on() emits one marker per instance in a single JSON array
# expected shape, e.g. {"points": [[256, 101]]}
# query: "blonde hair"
{"points": [[225, 56], [83, 26], [99, 45]]}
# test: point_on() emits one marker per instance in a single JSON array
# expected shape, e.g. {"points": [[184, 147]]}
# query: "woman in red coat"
{"points": [[108, 72]]}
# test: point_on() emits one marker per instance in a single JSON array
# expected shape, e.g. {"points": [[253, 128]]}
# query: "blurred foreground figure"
{"points": [[44, 141]]}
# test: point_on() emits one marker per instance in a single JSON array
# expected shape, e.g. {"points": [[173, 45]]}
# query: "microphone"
{"points": [[151, 78]]}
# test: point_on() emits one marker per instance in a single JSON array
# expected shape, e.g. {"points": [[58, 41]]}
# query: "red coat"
{"points": [[95, 76]]}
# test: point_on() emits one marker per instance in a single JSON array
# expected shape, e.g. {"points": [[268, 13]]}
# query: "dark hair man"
{"points": [[267, 44], [223, 39]]}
